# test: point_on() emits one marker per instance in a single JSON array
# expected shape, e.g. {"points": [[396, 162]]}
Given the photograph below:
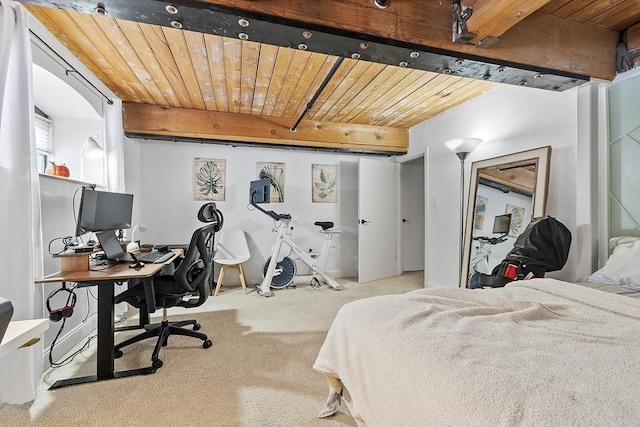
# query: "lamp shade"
{"points": [[92, 149], [463, 145]]}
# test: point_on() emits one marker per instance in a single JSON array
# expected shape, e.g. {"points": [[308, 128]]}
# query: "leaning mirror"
{"points": [[514, 184]]}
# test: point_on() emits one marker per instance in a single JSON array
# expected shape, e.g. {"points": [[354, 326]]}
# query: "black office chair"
{"points": [[191, 278]]}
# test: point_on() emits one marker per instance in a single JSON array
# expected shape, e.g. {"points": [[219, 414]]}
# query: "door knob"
{"points": [[405, 220], [364, 221]]}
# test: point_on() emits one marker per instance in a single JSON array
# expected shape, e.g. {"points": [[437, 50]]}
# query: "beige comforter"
{"points": [[535, 353]]}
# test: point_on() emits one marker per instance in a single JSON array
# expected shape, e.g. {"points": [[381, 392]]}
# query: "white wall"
{"points": [[509, 119], [160, 175]]}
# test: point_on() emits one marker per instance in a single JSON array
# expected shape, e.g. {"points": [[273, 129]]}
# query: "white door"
{"points": [[377, 219], [412, 214]]}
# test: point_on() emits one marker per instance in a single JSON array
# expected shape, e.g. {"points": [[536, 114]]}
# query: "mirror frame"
{"points": [[542, 156]]}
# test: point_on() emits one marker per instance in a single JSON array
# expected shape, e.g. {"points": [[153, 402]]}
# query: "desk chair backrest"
{"points": [[195, 269]]}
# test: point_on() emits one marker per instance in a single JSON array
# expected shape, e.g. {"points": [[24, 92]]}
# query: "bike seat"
{"points": [[324, 224]]}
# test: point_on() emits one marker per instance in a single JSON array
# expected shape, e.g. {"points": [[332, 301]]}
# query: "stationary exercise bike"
{"points": [[279, 269], [479, 264]]}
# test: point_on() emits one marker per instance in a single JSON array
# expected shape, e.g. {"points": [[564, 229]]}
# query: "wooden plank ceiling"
{"points": [[180, 83]]}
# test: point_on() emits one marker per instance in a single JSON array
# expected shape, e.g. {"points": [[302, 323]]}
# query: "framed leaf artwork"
{"points": [[209, 179], [324, 183], [481, 210], [274, 171], [517, 219]]}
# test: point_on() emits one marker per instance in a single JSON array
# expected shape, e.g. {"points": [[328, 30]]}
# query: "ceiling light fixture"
{"points": [[171, 9], [100, 10], [381, 4]]}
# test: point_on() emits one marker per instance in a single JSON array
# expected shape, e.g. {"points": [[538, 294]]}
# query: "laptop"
{"points": [[112, 248]]}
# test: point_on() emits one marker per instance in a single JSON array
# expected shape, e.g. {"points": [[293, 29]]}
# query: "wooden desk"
{"points": [[21, 332], [105, 280]]}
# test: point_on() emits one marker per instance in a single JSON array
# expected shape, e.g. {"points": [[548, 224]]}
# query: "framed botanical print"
{"points": [[273, 171], [324, 183], [517, 219], [481, 210], [209, 179]]}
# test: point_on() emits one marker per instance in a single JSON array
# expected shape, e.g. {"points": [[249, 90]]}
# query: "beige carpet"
{"points": [[257, 373]]}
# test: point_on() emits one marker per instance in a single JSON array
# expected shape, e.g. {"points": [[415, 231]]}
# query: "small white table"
{"points": [[21, 332]]}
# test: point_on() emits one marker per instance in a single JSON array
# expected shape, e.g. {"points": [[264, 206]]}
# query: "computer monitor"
{"points": [[103, 210], [501, 224], [260, 191]]}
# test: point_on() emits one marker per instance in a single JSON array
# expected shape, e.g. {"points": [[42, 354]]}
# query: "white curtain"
{"points": [[114, 150], [21, 248], [114, 144]]}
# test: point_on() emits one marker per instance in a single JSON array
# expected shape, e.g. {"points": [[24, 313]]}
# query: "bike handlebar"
{"points": [[271, 214], [491, 240]]}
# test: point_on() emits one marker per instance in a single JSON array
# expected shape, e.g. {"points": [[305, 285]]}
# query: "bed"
{"points": [[536, 352]]}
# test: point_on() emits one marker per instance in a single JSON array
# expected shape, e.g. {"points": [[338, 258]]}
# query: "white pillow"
{"points": [[623, 265]]}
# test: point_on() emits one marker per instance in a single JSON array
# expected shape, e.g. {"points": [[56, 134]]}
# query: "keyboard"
{"points": [[155, 257]]}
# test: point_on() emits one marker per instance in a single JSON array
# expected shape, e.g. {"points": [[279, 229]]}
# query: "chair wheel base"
{"points": [[207, 344], [196, 327], [156, 364], [117, 354]]}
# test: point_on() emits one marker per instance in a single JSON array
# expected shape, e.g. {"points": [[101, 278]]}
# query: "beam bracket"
{"points": [[461, 15]]}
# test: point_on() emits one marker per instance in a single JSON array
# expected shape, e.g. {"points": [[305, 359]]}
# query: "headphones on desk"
{"points": [[56, 314]]}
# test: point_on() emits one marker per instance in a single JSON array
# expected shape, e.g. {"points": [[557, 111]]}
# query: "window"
{"points": [[44, 139]]}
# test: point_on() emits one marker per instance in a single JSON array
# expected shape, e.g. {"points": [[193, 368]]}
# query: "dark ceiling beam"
{"points": [[414, 34], [539, 41]]}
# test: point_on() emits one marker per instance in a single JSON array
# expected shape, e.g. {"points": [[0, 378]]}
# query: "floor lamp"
{"points": [[462, 147]]}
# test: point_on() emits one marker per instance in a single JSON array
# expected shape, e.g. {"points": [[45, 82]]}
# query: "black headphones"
{"points": [[57, 314]]}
